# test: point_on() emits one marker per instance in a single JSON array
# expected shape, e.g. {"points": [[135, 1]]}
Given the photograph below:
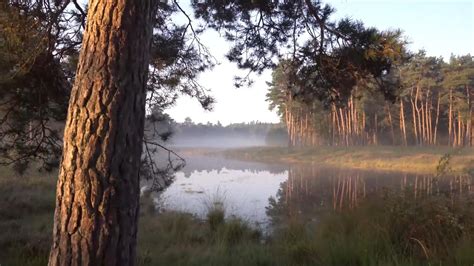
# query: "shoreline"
{"points": [[422, 160]]}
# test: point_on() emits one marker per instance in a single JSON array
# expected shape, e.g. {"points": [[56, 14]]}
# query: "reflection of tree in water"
{"points": [[311, 191]]}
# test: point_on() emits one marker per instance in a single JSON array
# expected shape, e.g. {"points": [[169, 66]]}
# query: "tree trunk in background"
{"points": [[469, 120], [413, 111], [450, 119], [402, 123], [97, 196], [459, 138], [437, 120], [392, 131]]}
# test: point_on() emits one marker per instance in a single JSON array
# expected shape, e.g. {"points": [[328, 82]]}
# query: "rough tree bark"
{"points": [[97, 196]]}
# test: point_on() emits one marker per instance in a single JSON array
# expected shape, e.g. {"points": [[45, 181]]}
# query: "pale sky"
{"points": [[440, 27]]}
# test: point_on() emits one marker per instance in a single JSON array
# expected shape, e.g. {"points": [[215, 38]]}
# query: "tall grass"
{"points": [[26, 213], [395, 158], [391, 229], [399, 230], [173, 238]]}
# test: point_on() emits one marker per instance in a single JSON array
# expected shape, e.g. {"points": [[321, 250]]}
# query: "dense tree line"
{"points": [[191, 134], [432, 106], [190, 129]]}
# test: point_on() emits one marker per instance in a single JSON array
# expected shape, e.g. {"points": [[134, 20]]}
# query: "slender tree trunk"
{"points": [[343, 123], [418, 114], [459, 129], [469, 120], [430, 121], [288, 124], [363, 125], [437, 120], [333, 129], [422, 121], [402, 123], [450, 119], [97, 196], [428, 125], [415, 131]]}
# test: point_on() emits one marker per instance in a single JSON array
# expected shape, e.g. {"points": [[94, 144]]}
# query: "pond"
{"points": [[262, 194]]}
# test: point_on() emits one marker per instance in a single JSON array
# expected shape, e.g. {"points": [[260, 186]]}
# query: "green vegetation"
{"points": [[431, 105], [391, 229], [26, 212], [397, 229], [407, 159]]}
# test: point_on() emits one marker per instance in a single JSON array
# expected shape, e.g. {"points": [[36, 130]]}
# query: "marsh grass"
{"points": [[181, 239], [399, 230], [396, 158], [391, 229], [26, 212], [216, 211]]}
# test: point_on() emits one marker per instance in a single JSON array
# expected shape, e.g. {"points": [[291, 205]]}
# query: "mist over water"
{"points": [[264, 194], [218, 141], [191, 135]]}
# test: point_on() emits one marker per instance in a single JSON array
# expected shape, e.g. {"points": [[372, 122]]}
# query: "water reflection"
{"points": [[268, 194], [244, 193], [311, 190]]}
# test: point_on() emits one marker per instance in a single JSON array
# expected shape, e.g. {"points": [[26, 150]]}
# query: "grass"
{"points": [[26, 212], [399, 230], [391, 158], [391, 229]]}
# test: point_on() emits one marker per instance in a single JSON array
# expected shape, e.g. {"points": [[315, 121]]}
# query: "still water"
{"points": [[264, 193]]}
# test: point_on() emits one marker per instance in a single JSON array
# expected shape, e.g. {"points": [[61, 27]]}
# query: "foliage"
{"points": [[250, 129], [329, 57], [433, 106], [277, 136], [36, 57], [39, 47]]}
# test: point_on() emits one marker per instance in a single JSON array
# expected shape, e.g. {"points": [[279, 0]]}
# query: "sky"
{"points": [[440, 27]]}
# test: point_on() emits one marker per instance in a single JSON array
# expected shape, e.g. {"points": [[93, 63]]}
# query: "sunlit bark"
{"points": [[97, 197]]}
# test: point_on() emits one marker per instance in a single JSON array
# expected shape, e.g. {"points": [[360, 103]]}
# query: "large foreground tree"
{"points": [[97, 197], [98, 187]]}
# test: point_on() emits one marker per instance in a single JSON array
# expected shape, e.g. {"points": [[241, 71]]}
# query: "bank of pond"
{"points": [[302, 215]]}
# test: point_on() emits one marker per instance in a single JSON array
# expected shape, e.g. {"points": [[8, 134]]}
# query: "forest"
{"points": [[371, 162], [253, 133], [432, 106]]}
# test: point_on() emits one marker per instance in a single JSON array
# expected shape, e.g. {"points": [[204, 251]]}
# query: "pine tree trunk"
{"points": [[97, 196], [459, 129], [343, 123], [437, 120], [363, 124], [402, 120], [333, 128], [415, 131], [450, 119], [288, 125], [422, 121], [428, 118], [469, 120]]}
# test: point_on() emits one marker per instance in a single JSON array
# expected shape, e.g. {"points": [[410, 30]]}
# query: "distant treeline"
{"points": [[236, 134], [433, 106]]}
